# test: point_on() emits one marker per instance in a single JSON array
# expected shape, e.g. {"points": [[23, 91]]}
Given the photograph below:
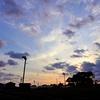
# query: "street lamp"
{"points": [[64, 78], [24, 57]]}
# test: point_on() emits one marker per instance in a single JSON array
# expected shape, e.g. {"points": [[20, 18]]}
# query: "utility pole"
{"points": [[24, 68]]}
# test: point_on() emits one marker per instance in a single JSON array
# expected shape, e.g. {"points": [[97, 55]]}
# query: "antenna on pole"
{"points": [[24, 57]]}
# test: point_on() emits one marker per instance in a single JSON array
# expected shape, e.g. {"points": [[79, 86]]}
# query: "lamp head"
{"points": [[24, 57]]}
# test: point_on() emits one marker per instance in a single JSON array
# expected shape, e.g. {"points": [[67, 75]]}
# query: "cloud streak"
{"points": [[76, 56], [30, 29]]}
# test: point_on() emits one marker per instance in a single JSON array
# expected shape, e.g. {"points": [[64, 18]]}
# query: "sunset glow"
{"points": [[57, 36]]}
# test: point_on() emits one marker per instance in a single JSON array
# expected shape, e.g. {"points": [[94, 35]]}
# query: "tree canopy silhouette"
{"points": [[81, 79]]}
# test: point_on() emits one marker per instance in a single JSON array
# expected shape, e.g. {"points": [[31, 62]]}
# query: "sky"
{"points": [[56, 36]]}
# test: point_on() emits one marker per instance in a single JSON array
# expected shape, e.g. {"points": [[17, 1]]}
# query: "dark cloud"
{"points": [[12, 62], [12, 8], [8, 77], [59, 65], [96, 70], [98, 62], [76, 56], [79, 51], [94, 67], [62, 65], [3, 64], [78, 23], [71, 69], [16, 55], [88, 66], [97, 44], [2, 43], [69, 33], [49, 68]]}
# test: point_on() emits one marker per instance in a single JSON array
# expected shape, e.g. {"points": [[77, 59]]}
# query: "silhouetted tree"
{"points": [[60, 85], [54, 85], [70, 81], [82, 79]]}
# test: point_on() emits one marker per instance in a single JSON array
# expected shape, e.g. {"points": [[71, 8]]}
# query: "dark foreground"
{"points": [[51, 94]]}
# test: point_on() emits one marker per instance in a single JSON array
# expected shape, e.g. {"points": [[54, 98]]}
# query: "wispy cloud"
{"points": [[12, 8], [30, 29], [53, 35], [80, 22], [95, 6]]}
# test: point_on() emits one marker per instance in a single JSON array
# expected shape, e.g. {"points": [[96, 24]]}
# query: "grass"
{"points": [[51, 94]]}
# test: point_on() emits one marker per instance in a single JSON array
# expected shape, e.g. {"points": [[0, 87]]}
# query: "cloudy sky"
{"points": [[57, 36]]}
